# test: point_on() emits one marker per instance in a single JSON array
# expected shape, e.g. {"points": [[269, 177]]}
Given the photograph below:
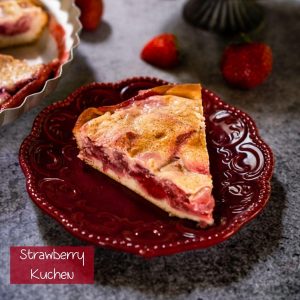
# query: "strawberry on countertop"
{"points": [[246, 65], [161, 51], [91, 13]]}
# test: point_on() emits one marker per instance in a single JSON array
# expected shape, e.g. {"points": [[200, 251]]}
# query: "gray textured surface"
{"points": [[262, 260]]}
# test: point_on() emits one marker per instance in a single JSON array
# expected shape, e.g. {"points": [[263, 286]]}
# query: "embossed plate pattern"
{"points": [[95, 208]]}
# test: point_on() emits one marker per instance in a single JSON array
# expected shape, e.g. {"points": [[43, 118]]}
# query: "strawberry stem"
{"points": [[245, 38]]}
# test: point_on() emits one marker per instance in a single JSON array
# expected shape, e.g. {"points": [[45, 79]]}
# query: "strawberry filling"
{"points": [[13, 28], [200, 204]]}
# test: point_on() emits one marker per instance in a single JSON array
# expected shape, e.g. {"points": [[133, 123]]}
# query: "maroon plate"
{"points": [[97, 209]]}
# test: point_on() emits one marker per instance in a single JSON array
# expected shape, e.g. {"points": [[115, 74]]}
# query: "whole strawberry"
{"points": [[91, 13], [246, 65], [161, 51]]}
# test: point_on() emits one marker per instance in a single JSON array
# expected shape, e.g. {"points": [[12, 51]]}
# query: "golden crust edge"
{"points": [[188, 90]]}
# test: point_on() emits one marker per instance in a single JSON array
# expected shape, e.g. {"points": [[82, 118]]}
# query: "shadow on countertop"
{"points": [[99, 35], [79, 73], [182, 273]]}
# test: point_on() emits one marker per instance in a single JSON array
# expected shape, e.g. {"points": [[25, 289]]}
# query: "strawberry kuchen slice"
{"points": [[155, 145]]}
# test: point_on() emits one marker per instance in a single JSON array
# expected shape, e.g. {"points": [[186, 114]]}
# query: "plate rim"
{"points": [[234, 227]]}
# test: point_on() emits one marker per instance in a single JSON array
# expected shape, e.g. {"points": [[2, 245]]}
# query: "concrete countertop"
{"points": [[262, 261]]}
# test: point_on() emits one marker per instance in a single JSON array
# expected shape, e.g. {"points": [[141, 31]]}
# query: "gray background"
{"points": [[262, 260]]}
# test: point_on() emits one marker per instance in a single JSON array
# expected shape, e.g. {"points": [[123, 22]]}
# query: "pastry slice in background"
{"points": [[21, 22], [18, 79]]}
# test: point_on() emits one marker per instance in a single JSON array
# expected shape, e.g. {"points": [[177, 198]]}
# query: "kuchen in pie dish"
{"points": [[138, 165], [18, 79], [21, 23], [36, 41]]}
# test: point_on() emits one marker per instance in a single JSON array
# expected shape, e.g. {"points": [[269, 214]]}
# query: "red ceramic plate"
{"points": [[95, 208]]}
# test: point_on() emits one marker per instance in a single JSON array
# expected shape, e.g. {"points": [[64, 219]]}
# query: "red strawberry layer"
{"points": [[161, 189], [22, 25]]}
